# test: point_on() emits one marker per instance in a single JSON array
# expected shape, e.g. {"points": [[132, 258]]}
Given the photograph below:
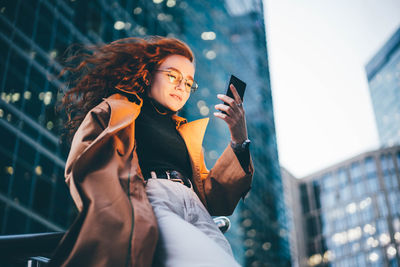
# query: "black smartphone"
{"points": [[240, 88]]}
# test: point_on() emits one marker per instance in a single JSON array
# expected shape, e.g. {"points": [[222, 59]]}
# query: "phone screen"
{"points": [[239, 85]]}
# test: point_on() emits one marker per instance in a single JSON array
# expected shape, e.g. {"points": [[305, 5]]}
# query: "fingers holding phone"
{"points": [[237, 97], [237, 92], [230, 105], [232, 111]]}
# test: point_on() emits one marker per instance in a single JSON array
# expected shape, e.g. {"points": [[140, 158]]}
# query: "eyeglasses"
{"points": [[175, 77]]}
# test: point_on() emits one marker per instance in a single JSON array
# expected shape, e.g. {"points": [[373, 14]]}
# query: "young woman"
{"points": [[136, 170]]}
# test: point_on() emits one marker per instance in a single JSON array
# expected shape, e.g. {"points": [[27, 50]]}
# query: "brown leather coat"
{"points": [[116, 225]]}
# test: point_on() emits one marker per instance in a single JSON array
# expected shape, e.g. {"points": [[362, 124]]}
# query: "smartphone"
{"points": [[240, 88]]}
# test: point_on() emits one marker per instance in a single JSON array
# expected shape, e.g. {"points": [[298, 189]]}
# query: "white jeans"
{"points": [[188, 235]]}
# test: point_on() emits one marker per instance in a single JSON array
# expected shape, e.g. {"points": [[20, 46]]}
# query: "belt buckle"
{"points": [[173, 179], [190, 183], [177, 180]]}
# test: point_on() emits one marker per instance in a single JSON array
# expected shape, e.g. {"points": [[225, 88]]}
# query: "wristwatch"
{"points": [[240, 147]]}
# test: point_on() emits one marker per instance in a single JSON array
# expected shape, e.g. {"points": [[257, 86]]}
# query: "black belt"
{"points": [[171, 175]]}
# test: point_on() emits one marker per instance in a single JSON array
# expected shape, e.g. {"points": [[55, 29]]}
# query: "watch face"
{"points": [[240, 147], [246, 144]]}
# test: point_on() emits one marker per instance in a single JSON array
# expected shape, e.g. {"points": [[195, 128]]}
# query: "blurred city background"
{"points": [[343, 212]]}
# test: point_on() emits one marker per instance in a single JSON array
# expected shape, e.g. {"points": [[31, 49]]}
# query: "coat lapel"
{"points": [[123, 112], [193, 134]]}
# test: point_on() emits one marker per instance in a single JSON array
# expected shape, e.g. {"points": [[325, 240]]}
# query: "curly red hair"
{"points": [[126, 64]]}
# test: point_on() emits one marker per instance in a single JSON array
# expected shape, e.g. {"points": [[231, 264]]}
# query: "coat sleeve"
{"points": [[225, 183], [91, 127], [115, 225]]}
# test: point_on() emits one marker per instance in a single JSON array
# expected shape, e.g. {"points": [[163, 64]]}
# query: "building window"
{"points": [[372, 183], [360, 260], [42, 197], [328, 199], [355, 172], [388, 171], [370, 166], [312, 226], [382, 226], [390, 180], [367, 213], [328, 182], [345, 193], [325, 224], [21, 184], [394, 202], [359, 189], [342, 177], [381, 205], [304, 198], [353, 220], [317, 195]]}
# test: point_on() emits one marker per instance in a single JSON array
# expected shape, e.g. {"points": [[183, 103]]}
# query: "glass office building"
{"points": [[259, 235], [383, 73], [349, 213], [227, 37]]}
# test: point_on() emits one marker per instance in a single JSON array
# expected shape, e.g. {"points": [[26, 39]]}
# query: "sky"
{"points": [[318, 50]]}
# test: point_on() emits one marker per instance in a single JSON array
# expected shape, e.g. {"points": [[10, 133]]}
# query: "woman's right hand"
{"points": [[234, 117]]}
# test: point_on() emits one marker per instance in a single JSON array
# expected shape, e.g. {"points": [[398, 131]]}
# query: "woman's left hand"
{"points": [[234, 117]]}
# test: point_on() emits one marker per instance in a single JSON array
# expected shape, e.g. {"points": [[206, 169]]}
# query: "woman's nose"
{"points": [[181, 85]]}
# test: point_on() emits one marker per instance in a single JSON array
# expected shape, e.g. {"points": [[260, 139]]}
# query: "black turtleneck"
{"points": [[159, 145]]}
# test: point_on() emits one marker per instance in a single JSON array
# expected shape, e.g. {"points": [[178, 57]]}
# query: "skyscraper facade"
{"points": [[383, 73], [294, 215], [348, 214], [259, 235], [227, 37]]}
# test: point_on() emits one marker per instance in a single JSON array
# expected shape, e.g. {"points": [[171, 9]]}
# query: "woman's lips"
{"points": [[177, 97]]}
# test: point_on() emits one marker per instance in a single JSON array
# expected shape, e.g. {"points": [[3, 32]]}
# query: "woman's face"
{"points": [[172, 96]]}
